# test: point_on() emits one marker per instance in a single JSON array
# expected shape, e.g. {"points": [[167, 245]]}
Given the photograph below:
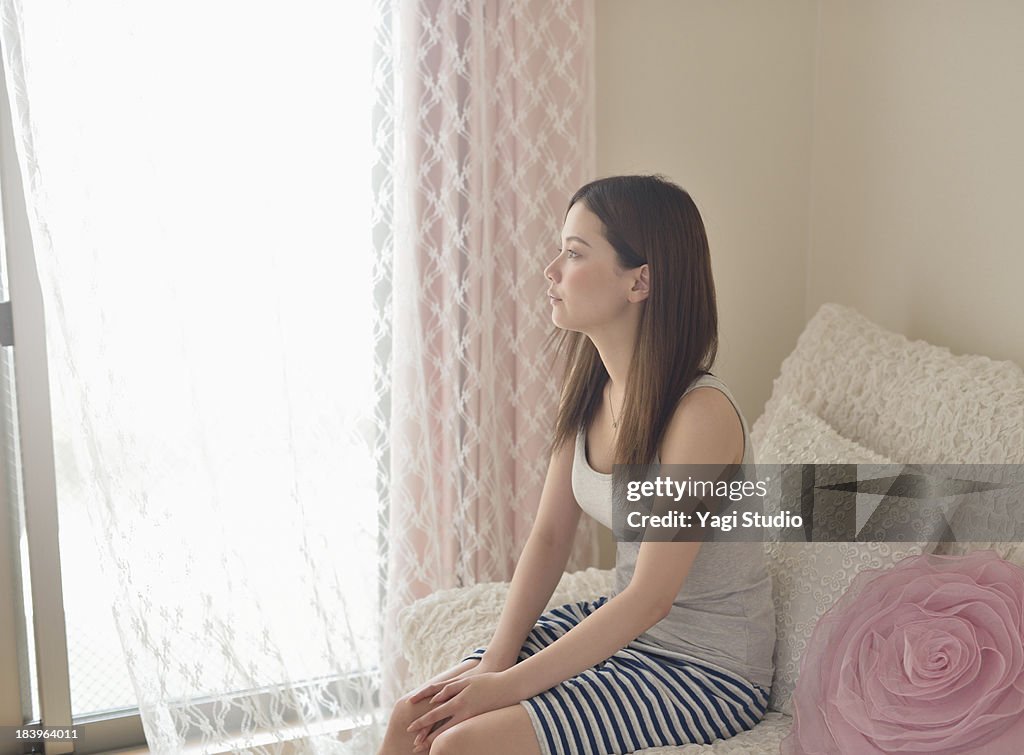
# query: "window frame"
{"points": [[39, 492]]}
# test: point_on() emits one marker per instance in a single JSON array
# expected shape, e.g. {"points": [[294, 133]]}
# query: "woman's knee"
{"points": [[404, 711]]}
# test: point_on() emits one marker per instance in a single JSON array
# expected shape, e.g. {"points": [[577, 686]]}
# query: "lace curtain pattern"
{"points": [[485, 128], [281, 423]]}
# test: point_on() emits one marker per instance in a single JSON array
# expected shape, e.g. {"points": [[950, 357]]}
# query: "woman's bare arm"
{"points": [[536, 575], [541, 564]]}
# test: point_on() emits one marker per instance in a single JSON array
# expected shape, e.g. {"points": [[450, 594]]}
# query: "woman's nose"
{"points": [[549, 271]]}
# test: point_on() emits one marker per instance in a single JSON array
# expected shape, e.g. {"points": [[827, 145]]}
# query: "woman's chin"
{"points": [[561, 324], [561, 321]]}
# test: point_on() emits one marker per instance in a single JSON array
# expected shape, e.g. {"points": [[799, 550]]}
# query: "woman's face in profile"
{"points": [[586, 286]]}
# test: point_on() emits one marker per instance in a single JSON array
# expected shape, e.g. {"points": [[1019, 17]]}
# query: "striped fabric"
{"points": [[643, 696]]}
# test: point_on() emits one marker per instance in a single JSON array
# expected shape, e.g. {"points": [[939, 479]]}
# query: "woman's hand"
{"points": [[459, 700], [434, 685]]}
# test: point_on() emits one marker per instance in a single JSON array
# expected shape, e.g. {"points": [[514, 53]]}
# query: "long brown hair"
{"points": [[647, 220]]}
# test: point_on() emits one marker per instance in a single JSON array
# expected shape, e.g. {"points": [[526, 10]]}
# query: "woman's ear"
{"points": [[641, 284]]}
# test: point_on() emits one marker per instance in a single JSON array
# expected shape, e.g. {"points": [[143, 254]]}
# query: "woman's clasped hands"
{"points": [[460, 699]]}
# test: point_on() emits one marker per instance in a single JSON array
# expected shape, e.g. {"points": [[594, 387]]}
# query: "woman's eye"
{"points": [[570, 253]]}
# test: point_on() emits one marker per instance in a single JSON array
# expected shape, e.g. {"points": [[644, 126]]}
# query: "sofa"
{"points": [[851, 392]]}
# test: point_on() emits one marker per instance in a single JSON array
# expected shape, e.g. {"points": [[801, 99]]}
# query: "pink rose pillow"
{"points": [[925, 657]]}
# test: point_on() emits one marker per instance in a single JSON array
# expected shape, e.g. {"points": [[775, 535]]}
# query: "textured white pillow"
{"points": [[913, 401], [809, 577], [798, 436]]}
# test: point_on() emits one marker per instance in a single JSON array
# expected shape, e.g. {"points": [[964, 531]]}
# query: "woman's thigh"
{"points": [[506, 731]]}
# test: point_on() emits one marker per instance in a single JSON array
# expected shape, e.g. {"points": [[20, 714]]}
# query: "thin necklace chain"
{"points": [[615, 422]]}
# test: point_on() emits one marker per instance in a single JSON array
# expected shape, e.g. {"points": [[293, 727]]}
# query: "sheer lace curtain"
{"points": [[486, 128], [287, 404]]}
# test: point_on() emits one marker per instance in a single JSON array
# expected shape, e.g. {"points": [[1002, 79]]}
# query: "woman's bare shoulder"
{"points": [[704, 429]]}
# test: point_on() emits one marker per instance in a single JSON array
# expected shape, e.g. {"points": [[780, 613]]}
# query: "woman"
{"points": [[682, 650]]}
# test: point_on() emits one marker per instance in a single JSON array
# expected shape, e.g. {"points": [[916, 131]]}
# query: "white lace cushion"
{"points": [[809, 577], [798, 436], [913, 401]]}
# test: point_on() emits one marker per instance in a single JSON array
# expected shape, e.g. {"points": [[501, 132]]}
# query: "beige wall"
{"points": [[917, 181], [866, 152]]}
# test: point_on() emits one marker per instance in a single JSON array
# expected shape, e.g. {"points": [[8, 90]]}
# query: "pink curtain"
{"points": [[486, 127]]}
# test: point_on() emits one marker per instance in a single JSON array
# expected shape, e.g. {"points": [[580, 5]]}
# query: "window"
{"points": [[222, 144]]}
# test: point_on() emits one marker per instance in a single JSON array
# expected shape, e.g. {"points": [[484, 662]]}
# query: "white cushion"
{"points": [[797, 436], [911, 401], [853, 392], [807, 578]]}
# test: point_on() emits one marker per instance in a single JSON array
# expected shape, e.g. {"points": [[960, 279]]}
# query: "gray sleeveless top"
{"points": [[723, 614]]}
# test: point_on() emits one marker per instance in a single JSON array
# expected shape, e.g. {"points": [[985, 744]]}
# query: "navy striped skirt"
{"points": [[643, 696]]}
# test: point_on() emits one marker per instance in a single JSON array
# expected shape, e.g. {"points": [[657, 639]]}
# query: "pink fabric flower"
{"points": [[925, 657]]}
